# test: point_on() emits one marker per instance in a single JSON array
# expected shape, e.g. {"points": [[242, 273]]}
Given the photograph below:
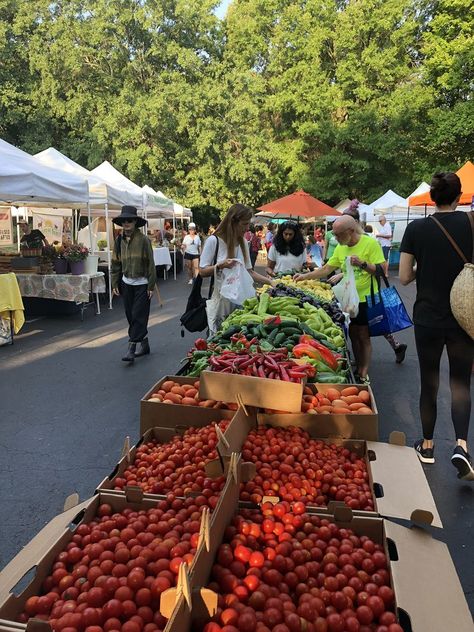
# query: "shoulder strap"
{"points": [[451, 240], [471, 219], [211, 284]]}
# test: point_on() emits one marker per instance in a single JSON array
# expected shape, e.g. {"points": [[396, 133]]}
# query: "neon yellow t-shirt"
{"points": [[367, 249]]}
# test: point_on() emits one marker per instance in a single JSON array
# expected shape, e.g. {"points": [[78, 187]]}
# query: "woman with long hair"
{"points": [[428, 257], [191, 247], [287, 252], [225, 248]]}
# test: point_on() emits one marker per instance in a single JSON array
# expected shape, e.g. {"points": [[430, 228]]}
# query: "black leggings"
{"points": [[430, 342]]}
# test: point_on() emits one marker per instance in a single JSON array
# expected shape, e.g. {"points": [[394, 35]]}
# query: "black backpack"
{"points": [[195, 316]]}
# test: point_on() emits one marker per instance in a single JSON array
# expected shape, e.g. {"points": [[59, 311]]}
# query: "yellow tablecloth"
{"points": [[10, 300]]}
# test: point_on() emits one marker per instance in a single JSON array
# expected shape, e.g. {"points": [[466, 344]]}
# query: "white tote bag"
{"points": [[217, 307], [237, 284], [346, 292]]}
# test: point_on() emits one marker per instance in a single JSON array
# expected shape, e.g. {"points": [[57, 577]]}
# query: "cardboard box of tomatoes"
{"points": [[86, 550], [391, 575], [322, 407], [166, 460], [156, 413], [390, 472]]}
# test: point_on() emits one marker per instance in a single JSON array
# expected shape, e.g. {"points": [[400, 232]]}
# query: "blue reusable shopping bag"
{"points": [[386, 312]]}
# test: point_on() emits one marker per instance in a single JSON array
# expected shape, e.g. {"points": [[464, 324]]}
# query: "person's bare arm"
{"points": [[406, 268], [259, 278], [319, 273], [270, 267]]}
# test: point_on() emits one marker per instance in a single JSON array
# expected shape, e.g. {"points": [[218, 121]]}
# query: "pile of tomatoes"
{"points": [[112, 573], [280, 571], [294, 467], [176, 466], [186, 395]]}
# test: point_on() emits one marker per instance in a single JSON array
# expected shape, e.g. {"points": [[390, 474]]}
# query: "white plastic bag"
{"points": [[346, 292], [237, 284], [217, 307]]}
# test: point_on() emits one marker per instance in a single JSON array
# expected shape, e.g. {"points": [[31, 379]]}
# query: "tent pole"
{"points": [[109, 263], [174, 245], [89, 219], [17, 232]]}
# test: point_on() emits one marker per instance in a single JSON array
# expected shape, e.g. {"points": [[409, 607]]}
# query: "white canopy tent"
{"points": [[385, 203], [26, 182], [105, 199], [156, 204], [111, 175], [101, 192]]}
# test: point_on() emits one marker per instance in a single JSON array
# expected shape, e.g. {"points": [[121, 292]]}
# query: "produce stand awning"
{"points": [[299, 204], [100, 191], [26, 182], [466, 175], [110, 174]]}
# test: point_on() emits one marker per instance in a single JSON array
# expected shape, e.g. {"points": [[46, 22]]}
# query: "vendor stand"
{"points": [[64, 287]]}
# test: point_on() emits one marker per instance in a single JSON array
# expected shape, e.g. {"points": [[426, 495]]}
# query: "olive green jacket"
{"points": [[133, 259]]}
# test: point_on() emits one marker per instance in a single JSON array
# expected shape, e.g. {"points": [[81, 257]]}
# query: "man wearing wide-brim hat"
{"points": [[134, 276]]}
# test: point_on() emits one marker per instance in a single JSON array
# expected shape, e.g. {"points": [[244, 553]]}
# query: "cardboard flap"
{"points": [[11, 626], [134, 494], [253, 391], [398, 474], [439, 603], [37, 625], [397, 438], [32, 553], [71, 501], [238, 429]]}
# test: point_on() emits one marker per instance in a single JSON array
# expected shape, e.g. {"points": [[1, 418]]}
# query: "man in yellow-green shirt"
{"points": [[364, 253]]}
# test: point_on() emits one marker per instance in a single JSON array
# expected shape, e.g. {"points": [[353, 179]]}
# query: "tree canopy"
{"points": [[344, 98]]}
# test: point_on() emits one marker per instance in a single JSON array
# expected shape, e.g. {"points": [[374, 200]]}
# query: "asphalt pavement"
{"points": [[68, 402]]}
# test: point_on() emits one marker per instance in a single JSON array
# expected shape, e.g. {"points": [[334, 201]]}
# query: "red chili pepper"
{"points": [[284, 374], [261, 372]]}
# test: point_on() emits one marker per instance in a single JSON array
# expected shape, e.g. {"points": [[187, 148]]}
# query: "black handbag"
{"points": [[195, 316]]}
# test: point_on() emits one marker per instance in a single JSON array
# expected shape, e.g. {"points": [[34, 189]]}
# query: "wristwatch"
{"points": [[364, 265]]}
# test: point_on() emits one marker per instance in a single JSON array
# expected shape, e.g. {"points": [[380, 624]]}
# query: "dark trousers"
{"points": [[137, 310], [430, 342], [253, 258]]}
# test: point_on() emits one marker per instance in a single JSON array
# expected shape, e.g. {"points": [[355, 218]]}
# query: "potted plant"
{"points": [[76, 255], [102, 244], [58, 259], [48, 256]]}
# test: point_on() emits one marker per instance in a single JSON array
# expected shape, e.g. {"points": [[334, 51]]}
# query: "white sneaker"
{"points": [[190, 282]]}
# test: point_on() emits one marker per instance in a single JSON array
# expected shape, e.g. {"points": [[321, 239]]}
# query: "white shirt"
{"points": [[192, 244], [136, 281], [283, 263], [383, 234], [209, 251]]}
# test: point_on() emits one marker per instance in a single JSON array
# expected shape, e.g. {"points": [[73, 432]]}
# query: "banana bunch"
{"points": [[318, 288]]}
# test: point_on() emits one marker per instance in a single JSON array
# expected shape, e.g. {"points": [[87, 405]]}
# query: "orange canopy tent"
{"points": [[299, 204], [466, 175]]}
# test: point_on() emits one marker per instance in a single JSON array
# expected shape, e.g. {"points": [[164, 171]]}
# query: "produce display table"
{"points": [[63, 287]]}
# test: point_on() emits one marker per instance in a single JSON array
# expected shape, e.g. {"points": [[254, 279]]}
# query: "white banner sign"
{"points": [[6, 227], [50, 225]]}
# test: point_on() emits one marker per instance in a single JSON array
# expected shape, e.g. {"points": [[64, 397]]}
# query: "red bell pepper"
{"points": [[326, 356], [307, 350], [201, 344]]}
